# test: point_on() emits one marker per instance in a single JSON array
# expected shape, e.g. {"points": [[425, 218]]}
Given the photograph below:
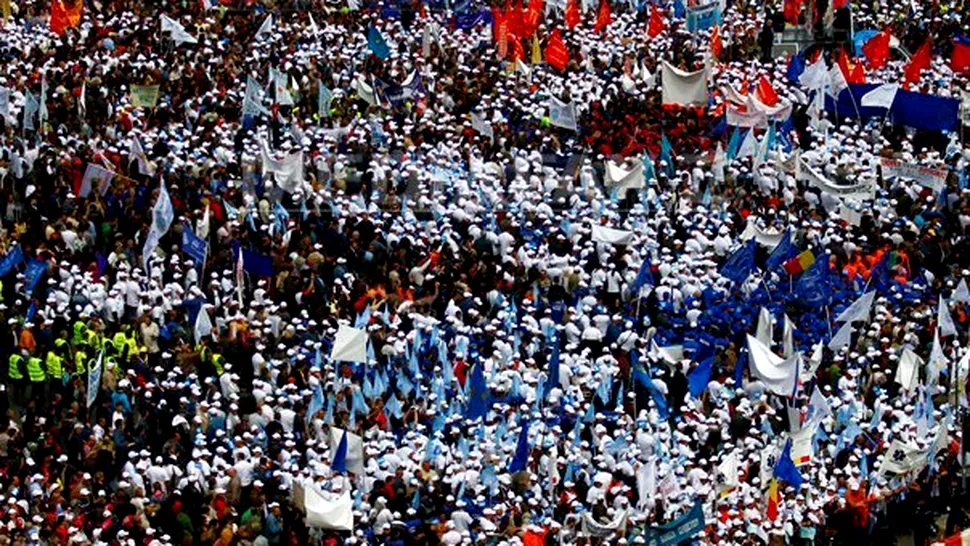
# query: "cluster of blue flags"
{"points": [[740, 264]]}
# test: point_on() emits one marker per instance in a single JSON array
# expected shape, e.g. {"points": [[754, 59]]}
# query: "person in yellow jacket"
{"points": [[15, 378]]}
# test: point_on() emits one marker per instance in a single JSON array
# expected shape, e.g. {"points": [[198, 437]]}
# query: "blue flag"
{"points": [[795, 68], [649, 170], [195, 247], [644, 276], [640, 377], [377, 44], [667, 154], [35, 270], [784, 251], [521, 457], [740, 264], [553, 368], [699, 377], [734, 144], [814, 287], [477, 393], [13, 259], [339, 463], [316, 404], [785, 468], [879, 277]]}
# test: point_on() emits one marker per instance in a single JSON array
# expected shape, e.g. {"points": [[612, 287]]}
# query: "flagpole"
{"points": [[828, 320]]}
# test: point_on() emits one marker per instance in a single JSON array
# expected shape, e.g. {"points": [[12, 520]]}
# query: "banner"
{"points": [[94, 379], [917, 110], [144, 96], [12, 259], [703, 17], [398, 95], [934, 179], [679, 530], [591, 527], [562, 114], [683, 88], [738, 116], [612, 236], [856, 191], [765, 238], [328, 514], [802, 450]]}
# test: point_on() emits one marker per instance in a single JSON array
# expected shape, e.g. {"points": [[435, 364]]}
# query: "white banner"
{"points": [[612, 236], [934, 179], [856, 191], [94, 379], [562, 114], [336, 514], [769, 239], [288, 172], [683, 88]]}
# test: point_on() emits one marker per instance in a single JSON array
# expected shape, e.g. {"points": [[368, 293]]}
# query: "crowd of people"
{"points": [[546, 272]]}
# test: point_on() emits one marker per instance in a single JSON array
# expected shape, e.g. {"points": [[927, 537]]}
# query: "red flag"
{"points": [[792, 9], [960, 61], [877, 50], [518, 52], [533, 16], [556, 53], [603, 16], [919, 62], [498, 17], [657, 24], [858, 74], [839, 4], [843, 61], [572, 15], [515, 16], [65, 14], [766, 93], [716, 46]]}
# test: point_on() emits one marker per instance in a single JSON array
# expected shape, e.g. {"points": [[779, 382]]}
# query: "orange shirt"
{"points": [[27, 341]]}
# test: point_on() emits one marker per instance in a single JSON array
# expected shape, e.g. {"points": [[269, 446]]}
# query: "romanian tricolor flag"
{"points": [[771, 512], [800, 263]]}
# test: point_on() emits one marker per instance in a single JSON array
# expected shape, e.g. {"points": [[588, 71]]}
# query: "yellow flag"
{"points": [[536, 52], [5, 9]]}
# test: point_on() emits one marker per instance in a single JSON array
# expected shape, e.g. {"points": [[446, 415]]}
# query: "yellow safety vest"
{"points": [[119, 341], [35, 370], [79, 358], [54, 369], [13, 369]]}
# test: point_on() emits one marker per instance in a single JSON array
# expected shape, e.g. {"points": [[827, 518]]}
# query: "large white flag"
{"points": [[842, 338], [324, 513], [483, 127], [788, 338], [836, 81], [137, 153], [288, 172], [779, 375], [203, 326], [814, 75], [623, 179], [962, 293], [562, 114], [162, 216], [350, 345], [902, 458], [763, 331], [355, 449], [683, 88]]}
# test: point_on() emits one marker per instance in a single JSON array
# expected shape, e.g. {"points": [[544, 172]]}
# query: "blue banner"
{"points": [[465, 21], [35, 270], [917, 110], [13, 258], [196, 248], [679, 530], [397, 95], [703, 17]]}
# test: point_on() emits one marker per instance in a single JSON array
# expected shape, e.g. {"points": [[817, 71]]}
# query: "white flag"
{"points": [[203, 326], [562, 114], [818, 408], [727, 473], [907, 371], [961, 294], [647, 484], [95, 177], [763, 332], [814, 75], [779, 375], [720, 161], [859, 310], [944, 321], [177, 32], [266, 27], [137, 153], [287, 172], [901, 458], [202, 228], [94, 379], [788, 338], [881, 97], [842, 338], [483, 127], [749, 146], [836, 81]]}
